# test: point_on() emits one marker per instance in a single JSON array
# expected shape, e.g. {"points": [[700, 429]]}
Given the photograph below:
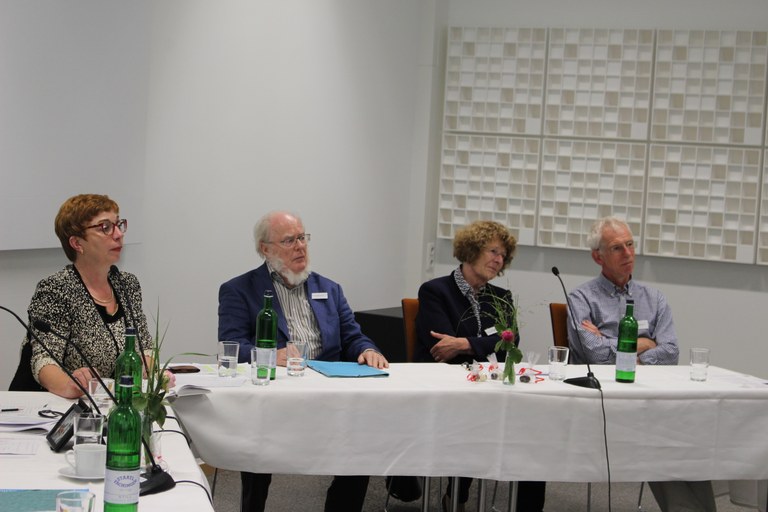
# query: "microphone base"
{"points": [[156, 481], [590, 381]]}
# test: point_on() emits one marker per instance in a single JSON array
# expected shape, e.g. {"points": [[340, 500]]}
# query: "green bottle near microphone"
{"points": [[626, 347], [122, 475], [129, 361]]}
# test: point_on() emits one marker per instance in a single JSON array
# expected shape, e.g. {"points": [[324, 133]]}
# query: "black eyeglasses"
{"points": [[291, 241], [108, 227]]}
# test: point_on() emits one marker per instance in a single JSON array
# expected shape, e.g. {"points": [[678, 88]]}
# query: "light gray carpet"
{"points": [[307, 493]]}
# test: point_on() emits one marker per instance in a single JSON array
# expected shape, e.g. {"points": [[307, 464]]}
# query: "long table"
{"points": [[41, 470], [429, 420]]}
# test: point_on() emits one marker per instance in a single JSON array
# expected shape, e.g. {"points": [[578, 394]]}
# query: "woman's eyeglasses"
{"points": [[108, 227]]}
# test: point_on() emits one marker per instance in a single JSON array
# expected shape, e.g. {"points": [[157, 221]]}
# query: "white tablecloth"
{"points": [[41, 471], [427, 419]]}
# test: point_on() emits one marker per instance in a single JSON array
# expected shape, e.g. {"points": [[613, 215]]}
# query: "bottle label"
{"points": [[121, 487], [626, 361]]}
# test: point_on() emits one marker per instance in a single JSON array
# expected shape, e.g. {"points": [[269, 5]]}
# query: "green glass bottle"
{"points": [[626, 347], [266, 331], [121, 478], [129, 361]]}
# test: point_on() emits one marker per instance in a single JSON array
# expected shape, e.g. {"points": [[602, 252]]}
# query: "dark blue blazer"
{"points": [[443, 309], [241, 299]]}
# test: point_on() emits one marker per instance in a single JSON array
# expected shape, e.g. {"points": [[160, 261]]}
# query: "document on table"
{"points": [[19, 446], [345, 369]]}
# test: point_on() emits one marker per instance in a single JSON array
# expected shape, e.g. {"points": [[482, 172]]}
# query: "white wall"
{"points": [[714, 304], [332, 108], [315, 106]]}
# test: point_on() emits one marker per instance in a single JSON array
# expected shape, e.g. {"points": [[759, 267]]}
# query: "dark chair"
{"points": [[558, 313], [410, 310], [408, 488]]}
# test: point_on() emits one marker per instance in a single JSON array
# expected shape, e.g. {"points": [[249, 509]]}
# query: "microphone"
{"points": [[45, 327], [590, 381], [157, 480], [48, 351]]}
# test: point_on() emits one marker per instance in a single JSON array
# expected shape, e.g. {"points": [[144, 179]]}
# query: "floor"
{"points": [[307, 493]]}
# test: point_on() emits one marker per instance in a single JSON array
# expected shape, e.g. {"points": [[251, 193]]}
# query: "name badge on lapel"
{"points": [[319, 295], [490, 331]]}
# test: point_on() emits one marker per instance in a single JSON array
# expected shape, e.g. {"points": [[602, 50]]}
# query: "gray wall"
{"points": [[331, 108]]}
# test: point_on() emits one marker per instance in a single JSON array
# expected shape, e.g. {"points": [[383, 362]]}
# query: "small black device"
{"points": [[64, 429]]}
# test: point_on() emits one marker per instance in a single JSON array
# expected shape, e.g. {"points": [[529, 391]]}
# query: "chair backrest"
{"points": [[558, 312], [410, 309]]}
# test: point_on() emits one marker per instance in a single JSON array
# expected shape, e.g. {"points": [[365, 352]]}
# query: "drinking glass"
{"points": [[88, 427], [75, 501], [699, 364], [296, 358], [558, 360], [261, 365], [227, 358]]}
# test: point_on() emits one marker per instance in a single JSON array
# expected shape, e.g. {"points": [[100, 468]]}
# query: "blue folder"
{"points": [[344, 369]]}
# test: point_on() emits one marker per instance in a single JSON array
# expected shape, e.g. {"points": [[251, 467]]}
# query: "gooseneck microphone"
{"points": [[50, 353], [590, 381], [157, 480], [45, 327]]}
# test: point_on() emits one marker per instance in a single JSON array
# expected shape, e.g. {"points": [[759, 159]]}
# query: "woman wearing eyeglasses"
{"points": [[455, 322], [89, 302]]}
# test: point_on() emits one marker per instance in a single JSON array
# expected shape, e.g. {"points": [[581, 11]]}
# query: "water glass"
{"points": [[699, 364], [227, 358], [558, 360], [88, 427], [296, 358], [261, 365], [100, 394], [75, 501]]}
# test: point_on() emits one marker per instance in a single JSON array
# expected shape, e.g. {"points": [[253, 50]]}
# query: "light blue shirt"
{"points": [[604, 304]]}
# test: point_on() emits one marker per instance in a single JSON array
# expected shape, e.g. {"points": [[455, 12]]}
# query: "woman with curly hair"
{"points": [[455, 322]]}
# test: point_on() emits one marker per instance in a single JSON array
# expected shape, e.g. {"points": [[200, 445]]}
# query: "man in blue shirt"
{"points": [[599, 305]]}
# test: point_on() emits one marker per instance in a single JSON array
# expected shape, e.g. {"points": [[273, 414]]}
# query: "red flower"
{"points": [[508, 336]]}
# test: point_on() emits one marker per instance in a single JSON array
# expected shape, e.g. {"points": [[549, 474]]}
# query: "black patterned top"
{"points": [[63, 301]]}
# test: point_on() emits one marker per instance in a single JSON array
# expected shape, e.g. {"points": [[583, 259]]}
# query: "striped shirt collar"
{"points": [[466, 289]]}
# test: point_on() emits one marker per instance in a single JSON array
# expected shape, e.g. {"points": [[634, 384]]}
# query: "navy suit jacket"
{"points": [[443, 309], [241, 299]]}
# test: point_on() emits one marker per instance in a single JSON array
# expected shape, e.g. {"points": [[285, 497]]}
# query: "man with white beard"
{"points": [[310, 308]]}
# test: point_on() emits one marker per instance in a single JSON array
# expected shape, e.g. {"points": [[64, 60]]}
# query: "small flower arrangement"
{"points": [[505, 320]]}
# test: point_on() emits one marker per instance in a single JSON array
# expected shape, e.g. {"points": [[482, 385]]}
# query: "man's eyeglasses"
{"points": [[108, 227], [619, 248], [291, 241]]}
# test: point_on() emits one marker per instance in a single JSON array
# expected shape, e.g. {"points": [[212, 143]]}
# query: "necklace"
{"points": [[104, 301]]}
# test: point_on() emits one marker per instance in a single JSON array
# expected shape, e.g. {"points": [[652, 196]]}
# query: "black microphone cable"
{"points": [[590, 381], [36, 338]]}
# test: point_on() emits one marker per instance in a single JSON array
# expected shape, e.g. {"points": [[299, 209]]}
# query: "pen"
{"points": [[9, 410]]}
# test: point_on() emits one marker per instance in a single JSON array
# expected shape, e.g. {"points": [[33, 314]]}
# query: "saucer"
{"points": [[69, 472]]}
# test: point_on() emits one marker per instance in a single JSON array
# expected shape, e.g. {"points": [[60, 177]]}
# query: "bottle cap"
{"points": [[130, 331], [630, 301]]}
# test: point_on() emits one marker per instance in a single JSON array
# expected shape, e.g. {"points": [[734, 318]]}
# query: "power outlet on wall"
{"points": [[430, 260]]}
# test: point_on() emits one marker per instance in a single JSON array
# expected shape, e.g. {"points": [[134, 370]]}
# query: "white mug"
{"points": [[89, 459]]}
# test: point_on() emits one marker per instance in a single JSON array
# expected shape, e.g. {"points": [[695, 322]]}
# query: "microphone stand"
{"points": [[156, 480], [590, 381]]}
